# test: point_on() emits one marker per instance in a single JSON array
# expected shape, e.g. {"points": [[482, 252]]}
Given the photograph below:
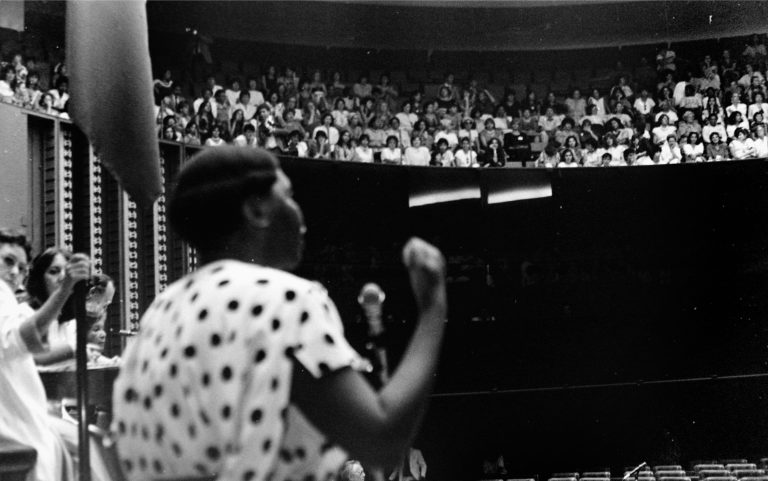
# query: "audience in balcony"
{"points": [[707, 104]]}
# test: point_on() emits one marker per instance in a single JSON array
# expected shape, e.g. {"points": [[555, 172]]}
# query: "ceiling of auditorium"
{"points": [[462, 25]]}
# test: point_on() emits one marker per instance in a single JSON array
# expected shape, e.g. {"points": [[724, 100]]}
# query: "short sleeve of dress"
{"points": [[323, 347]]}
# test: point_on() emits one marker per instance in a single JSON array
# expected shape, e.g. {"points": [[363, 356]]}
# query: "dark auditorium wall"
{"points": [[637, 331]]}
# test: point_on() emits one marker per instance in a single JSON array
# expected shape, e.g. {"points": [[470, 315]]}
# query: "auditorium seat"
{"points": [[708, 466], [734, 461], [721, 478], [670, 473], [668, 467], [744, 465], [754, 478], [708, 473], [743, 473], [565, 475], [596, 474], [673, 478], [563, 478], [595, 478]]}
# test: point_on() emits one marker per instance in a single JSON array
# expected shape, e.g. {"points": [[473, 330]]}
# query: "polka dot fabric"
{"points": [[205, 386]]}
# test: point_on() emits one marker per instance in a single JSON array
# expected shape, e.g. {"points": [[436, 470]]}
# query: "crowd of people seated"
{"points": [[710, 109]]}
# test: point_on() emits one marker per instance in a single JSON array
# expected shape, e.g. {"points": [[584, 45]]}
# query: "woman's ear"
{"points": [[257, 211]]}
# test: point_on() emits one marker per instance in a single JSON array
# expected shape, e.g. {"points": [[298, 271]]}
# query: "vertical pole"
{"points": [[81, 359]]}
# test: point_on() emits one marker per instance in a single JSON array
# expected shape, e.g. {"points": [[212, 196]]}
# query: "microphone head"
{"points": [[371, 294]]}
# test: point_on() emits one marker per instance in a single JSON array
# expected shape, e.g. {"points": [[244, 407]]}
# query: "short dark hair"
{"points": [[211, 188], [13, 237], [249, 128]]}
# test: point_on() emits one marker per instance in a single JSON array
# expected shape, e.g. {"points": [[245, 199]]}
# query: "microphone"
{"points": [[371, 300], [635, 471]]}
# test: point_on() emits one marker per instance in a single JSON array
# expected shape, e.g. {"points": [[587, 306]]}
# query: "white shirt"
{"points": [[742, 150], [23, 410], [248, 110], [407, 121], [256, 98], [391, 156], [416, 156], [661, 133], [332, 133], [466, 159], [708, 130], [242, 141], [644, 107], [591, 159], [670, 155], [233, 96], [761, 147], [451, 137], [211, 372], [363, 154]]}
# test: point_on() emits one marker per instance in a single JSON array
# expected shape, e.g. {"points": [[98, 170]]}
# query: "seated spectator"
{"points": [[406, 117], [431, 117], [587, 132], [549, 157], [500, 118], [337, 88], [736, 105], [490, 131], [755, 51], [644, 106], [445, 99], [759, 105], [565, 130], [447, 134], [170, 134], [420, 130], [716, 148], [756, 87], [713, 126], [345, 148], [530, 103], [204, 120], [465, 156], [386, 92], [667, 109], [742, 147], [247, 138], [444, 156], [163, 86], [469, 130], [191, 134], [576, 105], [693, 148], [206, 97], [449, 81], [256, 97], [495, 156], [597, 100], [688, 125], [760, 142], [288, 123], [663, 129], [641, 145], [567, 159], [395, 130], [391, 153], [355, 126], [758, 119], [572, 143], [319, 147], [183, 115], [529, 124], [318, 83], [611, 146], [310, 116], [665, 59], [233, 92], [45, 105], [692, 101], [296, 146], [712, 107], [215, 140], [377, 135], [517, 144], [416, 154], [551, 101], [265, 128], [511, 105], [746, 78], [711, 79], [60, 94], [594, 118], [363, 152], [615, 127], [362, 89], [223, 108], [236, 124], [670, 152], [244, 104], [590, 157], [549, 122], [331, 132], [735, 122]]}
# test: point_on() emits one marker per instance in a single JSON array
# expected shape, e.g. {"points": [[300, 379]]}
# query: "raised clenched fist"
{"points": [[426, 267]]}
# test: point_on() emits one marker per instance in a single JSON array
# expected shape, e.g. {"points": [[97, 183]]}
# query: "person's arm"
{"points": [[31, 330], [377, 427]]}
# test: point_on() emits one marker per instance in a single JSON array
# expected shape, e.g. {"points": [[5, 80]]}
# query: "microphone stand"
{"points": [[81, 363]]}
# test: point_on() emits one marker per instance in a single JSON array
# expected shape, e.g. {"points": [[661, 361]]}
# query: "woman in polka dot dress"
{"points": [[241, 370]]}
